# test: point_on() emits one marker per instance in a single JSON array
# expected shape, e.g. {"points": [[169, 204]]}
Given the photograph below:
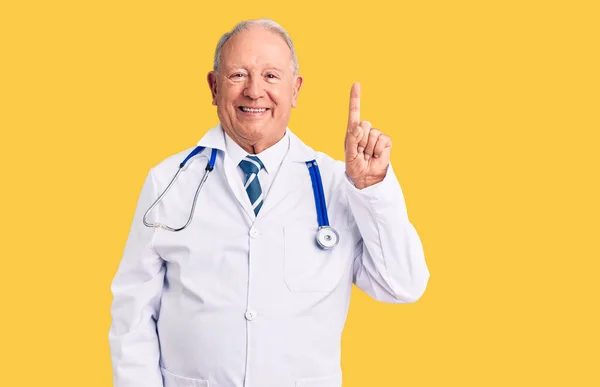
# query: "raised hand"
{"points": [[367, 149]]}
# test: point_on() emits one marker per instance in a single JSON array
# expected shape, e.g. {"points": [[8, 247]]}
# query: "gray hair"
{"points": [[268, 24]]}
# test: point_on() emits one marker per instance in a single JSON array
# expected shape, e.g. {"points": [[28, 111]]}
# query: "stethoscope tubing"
{"points": [[209, 167], [327, 237], [315, 177]]}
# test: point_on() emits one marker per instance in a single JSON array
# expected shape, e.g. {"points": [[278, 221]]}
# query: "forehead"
{"points": [[256, 47]]}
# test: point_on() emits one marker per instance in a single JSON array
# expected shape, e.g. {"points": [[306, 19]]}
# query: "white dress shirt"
{"points": [[271, 158]]}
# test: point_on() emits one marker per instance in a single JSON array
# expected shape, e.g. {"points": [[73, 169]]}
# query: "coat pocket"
{"points": [[308, 268], [172, 380]]}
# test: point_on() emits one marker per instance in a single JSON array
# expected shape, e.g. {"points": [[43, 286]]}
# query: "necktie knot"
{"points": [[251, 164]]}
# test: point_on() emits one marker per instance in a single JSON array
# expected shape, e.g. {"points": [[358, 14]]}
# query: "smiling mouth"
{"points": [[252, 110]]}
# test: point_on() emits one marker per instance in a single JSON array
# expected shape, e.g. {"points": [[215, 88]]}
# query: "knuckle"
{"points": [[374, 133]]}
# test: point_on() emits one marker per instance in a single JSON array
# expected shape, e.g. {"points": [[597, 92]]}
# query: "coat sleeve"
{"points": [[389, 263], [137, 288]]}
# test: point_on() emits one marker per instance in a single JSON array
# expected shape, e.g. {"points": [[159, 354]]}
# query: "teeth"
{"points": [[250, 110]]}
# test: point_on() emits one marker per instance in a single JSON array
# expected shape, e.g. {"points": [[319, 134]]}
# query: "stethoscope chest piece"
{"points": [[327, 237]]}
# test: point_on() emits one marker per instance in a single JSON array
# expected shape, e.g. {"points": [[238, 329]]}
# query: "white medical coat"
{"points": [[236, 300]]}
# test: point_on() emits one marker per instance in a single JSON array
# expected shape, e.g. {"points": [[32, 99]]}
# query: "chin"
{"points": [[253, 130]]}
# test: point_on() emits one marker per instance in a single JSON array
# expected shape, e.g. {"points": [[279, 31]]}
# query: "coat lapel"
{"points": [[215, 138], [292, 173], [237, 187]]}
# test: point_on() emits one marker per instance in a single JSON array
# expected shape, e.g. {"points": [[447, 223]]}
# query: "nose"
{"points": [[254, 88]]}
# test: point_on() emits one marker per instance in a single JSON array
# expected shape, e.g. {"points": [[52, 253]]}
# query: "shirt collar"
{"points": [[270, 157], [298, 151]]}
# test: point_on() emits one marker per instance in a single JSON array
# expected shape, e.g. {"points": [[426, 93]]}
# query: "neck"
{"points": [[255, 146]]}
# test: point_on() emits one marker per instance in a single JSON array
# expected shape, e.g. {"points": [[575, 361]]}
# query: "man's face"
{"points": [[255, 87]]}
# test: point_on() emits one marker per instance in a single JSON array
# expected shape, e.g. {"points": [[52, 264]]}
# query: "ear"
{"points": [[297, 85], [212, 84]]}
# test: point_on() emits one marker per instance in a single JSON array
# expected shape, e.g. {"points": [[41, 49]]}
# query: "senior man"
{"points": [[244, 296]]}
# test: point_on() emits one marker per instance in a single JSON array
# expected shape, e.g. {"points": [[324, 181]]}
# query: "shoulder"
{"points": [[172, 161], [329, 163], [164, 171], [333, 172]]}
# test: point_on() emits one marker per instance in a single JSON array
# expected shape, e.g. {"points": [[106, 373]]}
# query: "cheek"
{"points": [[281, 97], [229, 93]]}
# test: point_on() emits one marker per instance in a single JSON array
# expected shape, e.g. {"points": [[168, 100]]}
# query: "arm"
{"points": [[137, 288], [389, 263]]}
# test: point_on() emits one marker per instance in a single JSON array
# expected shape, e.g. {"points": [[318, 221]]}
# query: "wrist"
{"points": [[364, 182]]}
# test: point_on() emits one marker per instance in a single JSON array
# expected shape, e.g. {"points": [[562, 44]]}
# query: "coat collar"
{"points": [[298, 152], [283, 185]]}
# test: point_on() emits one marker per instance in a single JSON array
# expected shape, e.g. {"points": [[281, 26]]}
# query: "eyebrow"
{"points": [[273, 67], [267, 66]]}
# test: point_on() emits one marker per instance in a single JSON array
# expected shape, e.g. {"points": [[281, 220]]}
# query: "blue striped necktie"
{"points": [[251, 165]]}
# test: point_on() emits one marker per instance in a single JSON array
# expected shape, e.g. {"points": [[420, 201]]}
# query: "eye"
{"points": [[237, 75], [272, 77]]}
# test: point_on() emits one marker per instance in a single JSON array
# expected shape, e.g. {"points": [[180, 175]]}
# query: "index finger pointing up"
{"points": [[354, 113]]}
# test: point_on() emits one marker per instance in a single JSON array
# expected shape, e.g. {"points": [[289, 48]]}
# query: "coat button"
{"points": [[254, 233], [250, 315]]}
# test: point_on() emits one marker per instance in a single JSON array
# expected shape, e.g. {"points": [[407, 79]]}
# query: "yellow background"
{"points": [[493, 108]]}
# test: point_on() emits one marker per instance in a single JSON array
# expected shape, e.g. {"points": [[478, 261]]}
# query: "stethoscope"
{"points": [[327, 237]]}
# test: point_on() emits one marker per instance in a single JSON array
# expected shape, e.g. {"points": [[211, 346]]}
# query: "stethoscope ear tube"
{"points": [[146, 223], [209, 167]]}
